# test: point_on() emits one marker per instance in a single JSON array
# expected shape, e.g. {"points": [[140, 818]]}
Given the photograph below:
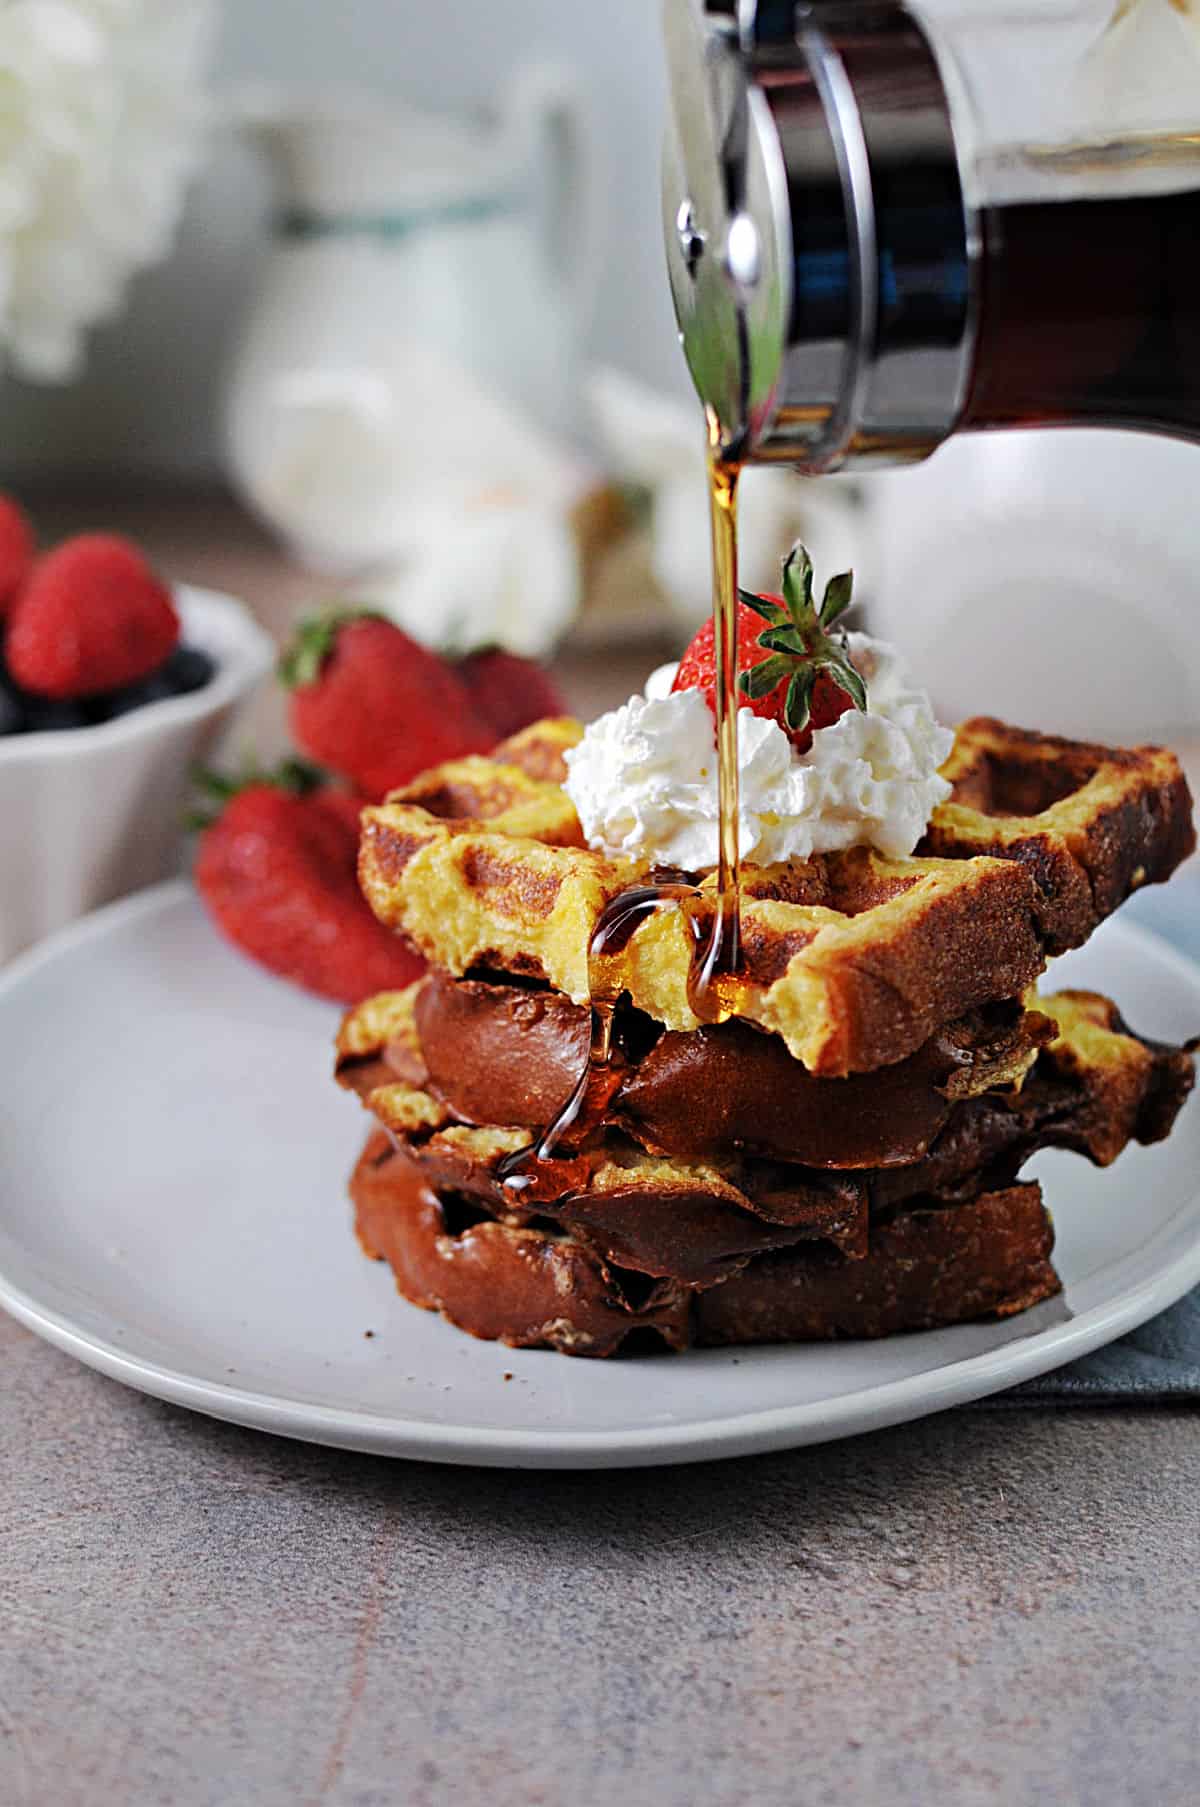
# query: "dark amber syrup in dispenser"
{"points": [[1090, 314], [713, 918]]}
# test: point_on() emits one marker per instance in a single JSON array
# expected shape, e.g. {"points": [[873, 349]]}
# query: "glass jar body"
{"points": [[1078, 130]]}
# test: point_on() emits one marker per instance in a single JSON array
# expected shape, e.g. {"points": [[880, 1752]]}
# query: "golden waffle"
{"points": [[1136, 1088], [853, 959], [1090, 823]]}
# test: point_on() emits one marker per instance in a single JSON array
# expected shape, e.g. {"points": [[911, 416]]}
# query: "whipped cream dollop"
{"points": [[644, 777]]}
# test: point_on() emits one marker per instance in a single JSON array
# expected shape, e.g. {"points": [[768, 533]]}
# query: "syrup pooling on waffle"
{"points": [[590, 1093], [713, 923], [712, 987]]}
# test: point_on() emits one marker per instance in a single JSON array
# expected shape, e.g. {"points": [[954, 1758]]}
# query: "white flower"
{"points": [[100, 128], [461, 533], [500, 570], [1137, 74]]}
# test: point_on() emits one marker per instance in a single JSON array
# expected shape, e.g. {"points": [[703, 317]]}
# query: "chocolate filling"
{"points": [[674, 1226], [501, 1054], [653, 1225], [536, 1288]]}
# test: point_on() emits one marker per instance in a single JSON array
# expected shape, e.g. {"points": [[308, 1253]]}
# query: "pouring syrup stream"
{"points": [[714, 921], [721, 956]]}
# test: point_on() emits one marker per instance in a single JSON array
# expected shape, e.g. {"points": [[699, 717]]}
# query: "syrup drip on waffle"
{"points": [[712, 919]]}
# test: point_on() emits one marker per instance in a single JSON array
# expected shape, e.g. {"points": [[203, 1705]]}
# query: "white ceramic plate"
{"points": [[173, 1158]]}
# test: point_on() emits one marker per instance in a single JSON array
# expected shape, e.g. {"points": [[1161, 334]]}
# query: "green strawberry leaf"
{"points": [[299, 777], [798, 584], [800, 643], [798, 707], [762, 605], [301, 661], [783, 640], [848, 679], [837, 598], [763, 677]]}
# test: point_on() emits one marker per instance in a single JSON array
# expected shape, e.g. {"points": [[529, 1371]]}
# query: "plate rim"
{"points": [[773, 1428]]}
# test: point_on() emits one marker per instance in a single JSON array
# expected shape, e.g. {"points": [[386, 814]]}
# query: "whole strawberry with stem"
{"points": [[794, 670], [374, 705], [277, 870]]}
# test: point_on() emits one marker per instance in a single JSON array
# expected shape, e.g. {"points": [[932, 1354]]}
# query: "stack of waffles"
{"points": [[840, 1159]]}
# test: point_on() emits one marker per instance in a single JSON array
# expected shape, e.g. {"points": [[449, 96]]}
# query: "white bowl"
{"points": [[89, 814]]}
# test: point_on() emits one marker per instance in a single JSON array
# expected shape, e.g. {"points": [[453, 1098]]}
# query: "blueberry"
{"points": [[188, 669], [99, 709], [44, 716], [12, 708], [184, 670], [154, 689]]}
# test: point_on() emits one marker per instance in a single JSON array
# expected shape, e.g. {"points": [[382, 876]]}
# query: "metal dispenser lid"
{"points": [[727, 225], [819, 247]]}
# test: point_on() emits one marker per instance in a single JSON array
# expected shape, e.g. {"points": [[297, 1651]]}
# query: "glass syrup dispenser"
{"points": [[887, 225]]}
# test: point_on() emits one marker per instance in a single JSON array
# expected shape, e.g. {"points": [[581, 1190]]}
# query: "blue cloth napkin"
{"points": [[1159, 1363], [1155, 1365]]}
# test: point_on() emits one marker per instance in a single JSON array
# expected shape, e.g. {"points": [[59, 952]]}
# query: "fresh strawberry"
{"points": [[509, 692], [374, 705], [16, 551], [91, 616], [793, 671], [278, 871]]}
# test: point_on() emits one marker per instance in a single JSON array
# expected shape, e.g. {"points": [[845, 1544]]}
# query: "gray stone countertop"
{"points": [[985, 1607]]}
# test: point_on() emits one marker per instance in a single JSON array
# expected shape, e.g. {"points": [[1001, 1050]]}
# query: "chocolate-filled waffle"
{"points": [[844, 1158], [616, 1214]]}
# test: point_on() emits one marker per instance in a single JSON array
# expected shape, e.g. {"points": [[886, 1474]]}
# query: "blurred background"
{"points": [[148, 401], [411, 338]]}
